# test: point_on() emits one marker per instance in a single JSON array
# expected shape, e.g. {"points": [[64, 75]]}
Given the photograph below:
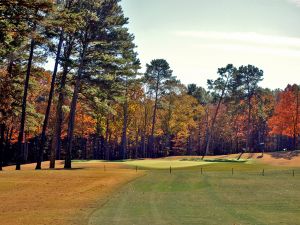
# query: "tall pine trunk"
{"points": [[24, 104], [248, 125], [143, 139], [151, 140], [107, 133], [210, 131], [71, 125], [56, 139], [124, 132], [68, 159], [51, 93]]}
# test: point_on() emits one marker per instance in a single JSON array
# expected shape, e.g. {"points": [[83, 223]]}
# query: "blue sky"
{"points": [[198, 36]]}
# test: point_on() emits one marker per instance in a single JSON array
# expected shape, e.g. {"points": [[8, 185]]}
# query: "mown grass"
{"points": [[60, 197], [152, 163], [223, 193], [164, 163], [214, 197]]}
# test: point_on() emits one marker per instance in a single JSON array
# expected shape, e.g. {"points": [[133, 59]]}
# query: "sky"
{"points": [[197, 37]]}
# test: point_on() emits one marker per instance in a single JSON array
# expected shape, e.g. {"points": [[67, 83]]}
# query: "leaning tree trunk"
{"points": [[210, 131], [24, 103], [56, 139], [71, 124], [46, 119], [68, 163]]}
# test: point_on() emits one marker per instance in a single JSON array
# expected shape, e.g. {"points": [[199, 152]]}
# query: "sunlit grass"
{"points": [[215, 196]]}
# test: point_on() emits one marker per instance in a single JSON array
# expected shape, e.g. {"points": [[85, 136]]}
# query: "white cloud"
{"points": [[296, 2], [242, 49], [248, 37]]}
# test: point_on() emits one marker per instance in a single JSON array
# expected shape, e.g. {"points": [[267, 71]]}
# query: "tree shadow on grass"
{"points": [[285, 155], [60, 169]]}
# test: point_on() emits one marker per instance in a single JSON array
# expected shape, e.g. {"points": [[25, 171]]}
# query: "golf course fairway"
{"points": [[225, 193]]}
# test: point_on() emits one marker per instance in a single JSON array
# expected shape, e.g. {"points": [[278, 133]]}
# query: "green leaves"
{"points": [[158, 75]]}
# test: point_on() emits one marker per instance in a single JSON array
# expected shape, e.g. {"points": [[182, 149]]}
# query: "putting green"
{"points": [[152, 163], [165, 163]]}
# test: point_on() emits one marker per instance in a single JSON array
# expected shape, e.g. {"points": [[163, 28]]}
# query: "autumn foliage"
{"points": [[97, 103], [285, 120]]}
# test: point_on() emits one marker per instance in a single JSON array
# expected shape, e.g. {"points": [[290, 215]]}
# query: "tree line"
{"points": [[96, 104]]}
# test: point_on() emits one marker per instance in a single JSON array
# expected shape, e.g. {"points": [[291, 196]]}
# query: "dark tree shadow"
{"points": [[78, 168], [285, 155]]}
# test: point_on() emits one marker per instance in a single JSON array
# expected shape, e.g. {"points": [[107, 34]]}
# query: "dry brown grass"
{"points": [[290, 159], [60, 197]]}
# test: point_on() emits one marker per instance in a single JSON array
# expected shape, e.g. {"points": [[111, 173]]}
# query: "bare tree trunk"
{"points": [[210, 131], [137, 144], [199, 139], [56, 139], [144, 133], [106, 155], [8, 144], [24, 104], [151, 140], [124, 132], [189, 145], [51, 93], [2, 130], [248, 124], [68, 162]]}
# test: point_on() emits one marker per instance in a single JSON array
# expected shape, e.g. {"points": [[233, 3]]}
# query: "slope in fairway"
{"points": [[216, 197]]}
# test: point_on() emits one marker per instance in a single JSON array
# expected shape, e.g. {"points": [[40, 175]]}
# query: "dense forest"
{"points": [[97, 103]]}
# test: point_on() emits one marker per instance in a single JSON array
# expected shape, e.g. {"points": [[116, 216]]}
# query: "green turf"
{"points": [[213, 198], [153, 163], [165, 163]]}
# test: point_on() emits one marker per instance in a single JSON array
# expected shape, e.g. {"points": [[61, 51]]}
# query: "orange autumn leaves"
{"points": [[285, 120]]}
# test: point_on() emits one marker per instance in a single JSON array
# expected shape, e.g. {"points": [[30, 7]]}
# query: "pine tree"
{"points": [[158, 74], [220, 87], [101, 44], [58, 30], [36, 39], [246, 83]]}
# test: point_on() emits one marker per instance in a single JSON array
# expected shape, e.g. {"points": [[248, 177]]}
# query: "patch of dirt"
{"points": [[60, 197]]}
